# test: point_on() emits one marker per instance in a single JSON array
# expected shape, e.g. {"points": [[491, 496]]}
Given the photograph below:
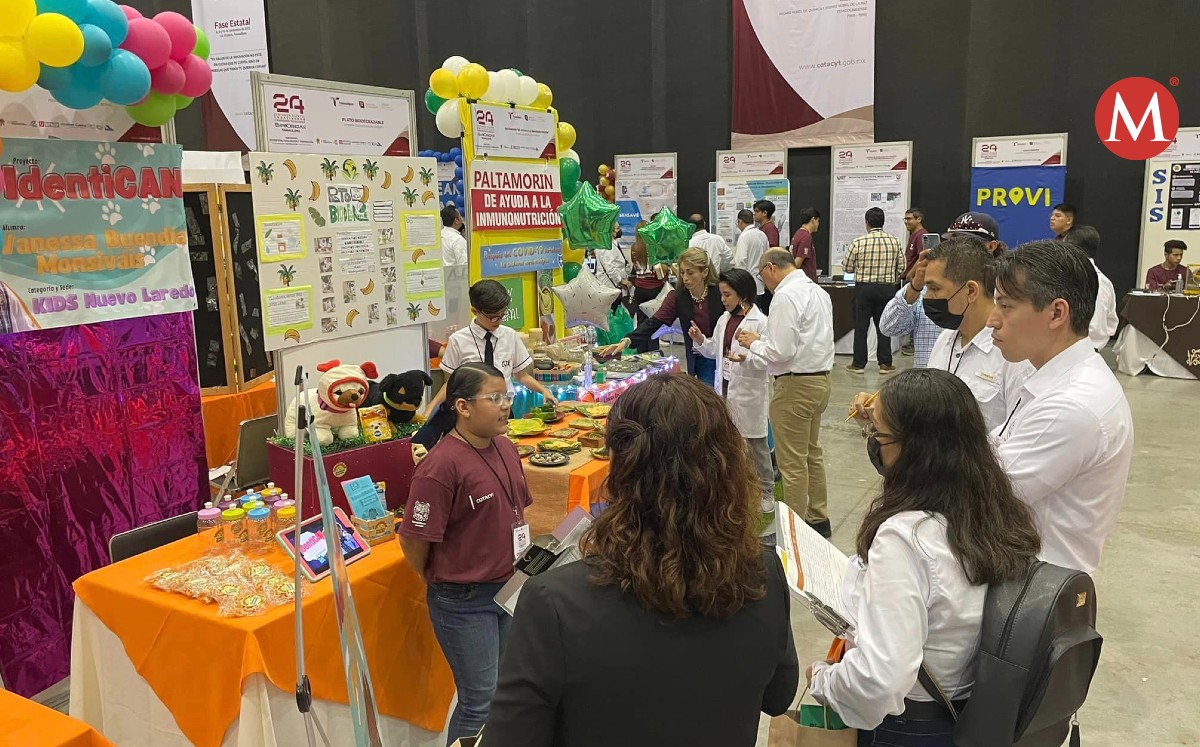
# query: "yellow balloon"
{"points": [[544, 97], [16, 17], [54, 39], [603, 169], [473, 81], [603, 181], [18, 71], [566, 136], [442, 83]]}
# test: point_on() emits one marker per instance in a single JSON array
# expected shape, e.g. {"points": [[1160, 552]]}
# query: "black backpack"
{"points": [[1038, 650]]}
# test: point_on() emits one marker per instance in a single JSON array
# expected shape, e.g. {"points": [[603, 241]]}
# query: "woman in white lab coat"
{"points": [[742, 380]]}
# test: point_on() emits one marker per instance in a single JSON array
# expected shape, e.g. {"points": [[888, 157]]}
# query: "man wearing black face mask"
{"points": [[959, 288]]}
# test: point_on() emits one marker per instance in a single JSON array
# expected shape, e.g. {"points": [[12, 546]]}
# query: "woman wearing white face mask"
{"points": [[742, 379]]}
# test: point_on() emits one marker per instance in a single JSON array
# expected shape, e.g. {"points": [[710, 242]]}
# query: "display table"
{"points": [[24, 723], [842, 297], [153, 668], [1146, 342], [557, 491], [223, 412]]}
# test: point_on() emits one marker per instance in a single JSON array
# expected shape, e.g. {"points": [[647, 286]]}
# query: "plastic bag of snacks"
{"points": [[240, 585], [376, 427]]}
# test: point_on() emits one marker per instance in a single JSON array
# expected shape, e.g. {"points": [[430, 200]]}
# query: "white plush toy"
{"points": [[335, 400]]}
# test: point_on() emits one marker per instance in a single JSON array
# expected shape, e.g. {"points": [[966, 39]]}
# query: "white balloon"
{"points": [[455, 63], [527, 90], [448, 122], [510, 86], [570, 153], [493, 92], [586, 299]]}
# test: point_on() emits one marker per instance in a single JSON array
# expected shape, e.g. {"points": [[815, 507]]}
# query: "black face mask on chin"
{"points": [[873, 447]]}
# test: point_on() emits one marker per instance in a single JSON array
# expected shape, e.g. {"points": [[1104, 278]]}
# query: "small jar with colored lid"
{"points": [[247, 507], [234, 521], [285, 518], [258, 527], [208, 526]]}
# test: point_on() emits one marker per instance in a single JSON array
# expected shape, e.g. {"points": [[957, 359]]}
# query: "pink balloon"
{"points": [[168, 78], [199, 77], [130, 13], [181, 31], [149, 41]]}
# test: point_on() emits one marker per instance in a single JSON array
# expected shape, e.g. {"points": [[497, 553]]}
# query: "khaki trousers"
{"points": [[796, 410]]}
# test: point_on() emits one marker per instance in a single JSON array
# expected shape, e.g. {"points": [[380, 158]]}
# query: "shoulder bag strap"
{"points": [[934, 689]]}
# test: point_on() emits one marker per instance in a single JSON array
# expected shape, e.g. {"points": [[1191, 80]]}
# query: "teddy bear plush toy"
{"points": [[401, 394], [334, 402]]}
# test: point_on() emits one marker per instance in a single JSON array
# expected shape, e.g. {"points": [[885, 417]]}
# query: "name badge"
{"points": [[521, 539], [986, 376]]}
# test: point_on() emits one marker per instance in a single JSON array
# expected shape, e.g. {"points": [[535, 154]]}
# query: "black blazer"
{"points": [[639, 338], [587, 666]]}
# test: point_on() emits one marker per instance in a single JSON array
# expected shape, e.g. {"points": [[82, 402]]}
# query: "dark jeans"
{"points": [[471, 629], [897, 731], [869, 302], [702, 368]]}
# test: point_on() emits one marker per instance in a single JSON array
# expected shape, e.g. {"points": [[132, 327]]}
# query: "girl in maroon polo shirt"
{"points": [[463, 526]]}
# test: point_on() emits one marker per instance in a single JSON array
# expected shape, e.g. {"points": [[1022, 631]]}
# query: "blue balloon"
{"points": [[54, 78], [108, 16], [456, 151], [76, 96], [423, 154], [97, 47], [458, 172], [127, 79], [73, 9], [458, 160]]}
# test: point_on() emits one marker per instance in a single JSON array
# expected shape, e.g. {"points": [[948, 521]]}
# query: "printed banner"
{"points": [[507, 132], [814, 62], [304, 119], [645, 184], [725, 199], [1019, 198], [515, 316], [735, 165], [514, 196], [345, 245], [1038, 150], [34, 113], [523, 256], [864, 177], [237, 38], [92, 232], [1156, 196]]}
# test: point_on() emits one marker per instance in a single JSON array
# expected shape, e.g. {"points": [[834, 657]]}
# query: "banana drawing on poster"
{"points": [[347, 244]]}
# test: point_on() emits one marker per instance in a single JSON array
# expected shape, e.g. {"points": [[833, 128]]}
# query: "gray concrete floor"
{"points": [[1146, 691]]}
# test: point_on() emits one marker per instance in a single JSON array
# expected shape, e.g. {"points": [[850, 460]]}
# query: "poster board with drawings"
{"points": [[213, 318], [346, 245], [253, 362]]}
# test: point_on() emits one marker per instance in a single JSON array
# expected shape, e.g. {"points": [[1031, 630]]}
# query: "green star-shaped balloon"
{"points": [[588, 219], [666, 237]]}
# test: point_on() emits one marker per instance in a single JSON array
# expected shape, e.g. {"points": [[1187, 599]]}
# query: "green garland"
{"points": [[341, 444]]}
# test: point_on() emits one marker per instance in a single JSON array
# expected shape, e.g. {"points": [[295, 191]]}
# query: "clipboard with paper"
{"points": [[814, 570]]}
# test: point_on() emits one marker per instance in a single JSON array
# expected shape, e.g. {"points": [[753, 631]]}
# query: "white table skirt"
{"points": [[109, 694], [1136, 352]]}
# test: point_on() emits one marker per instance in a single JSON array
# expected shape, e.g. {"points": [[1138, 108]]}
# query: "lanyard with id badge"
{"points": [[520, 529]]}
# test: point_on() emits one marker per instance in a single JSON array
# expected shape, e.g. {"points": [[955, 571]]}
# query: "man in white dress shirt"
{"points": [[959, 282], [1068, 438], [454, 245], [720, 254], [751, 245], [1104, 320], [798, 350]]}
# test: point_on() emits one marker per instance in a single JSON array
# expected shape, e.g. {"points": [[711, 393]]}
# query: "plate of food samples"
{"points": [[548, 459]]}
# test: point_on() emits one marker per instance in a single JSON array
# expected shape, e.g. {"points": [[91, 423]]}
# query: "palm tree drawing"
{"points": [[414, 311], [266, 172], [426, 176], [370, 169], [329, 168], [410, 196], [287, 274], [292, 198]]}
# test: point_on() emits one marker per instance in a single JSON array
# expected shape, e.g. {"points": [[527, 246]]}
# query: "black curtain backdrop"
{"points": [[644, 76]]}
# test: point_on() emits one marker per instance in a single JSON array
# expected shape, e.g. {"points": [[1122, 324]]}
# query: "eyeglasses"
{"points": [[499, 317], [870, 431], [498, 399]]}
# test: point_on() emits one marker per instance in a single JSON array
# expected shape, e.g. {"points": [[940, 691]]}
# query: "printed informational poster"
{"points": [[1183, 202], [515, 316], [302, 118], [333, 235], [1156, 195], [739, 165], [646, 183], [514, 196], [867, 176], [522, 256], [508, 132], [726, 199], [92, 232], [237, 38], [545, 306], [1017, 181], [34, 113]]}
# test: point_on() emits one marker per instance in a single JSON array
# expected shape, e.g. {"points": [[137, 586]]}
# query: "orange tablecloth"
{"points": [[223, 412], [24, 723], [584, 481], [195, 661]]}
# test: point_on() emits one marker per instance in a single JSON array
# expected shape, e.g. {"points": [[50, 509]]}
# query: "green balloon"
{"points": [[588, 219], [155, 111], [518, 72], [201, 49], [182, 102], [433, 101], [571, 270], [568, 173], [666, 237], [570, 189]]}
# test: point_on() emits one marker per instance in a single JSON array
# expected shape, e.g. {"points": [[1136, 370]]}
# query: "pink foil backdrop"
{"points": [[100, 432]]}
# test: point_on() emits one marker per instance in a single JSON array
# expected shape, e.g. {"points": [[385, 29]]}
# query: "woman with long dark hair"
{"points": [[674, 628], [946, 525], [463, 525]]}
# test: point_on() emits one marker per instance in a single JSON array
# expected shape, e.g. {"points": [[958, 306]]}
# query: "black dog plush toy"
{"points": [[401, 394]]}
